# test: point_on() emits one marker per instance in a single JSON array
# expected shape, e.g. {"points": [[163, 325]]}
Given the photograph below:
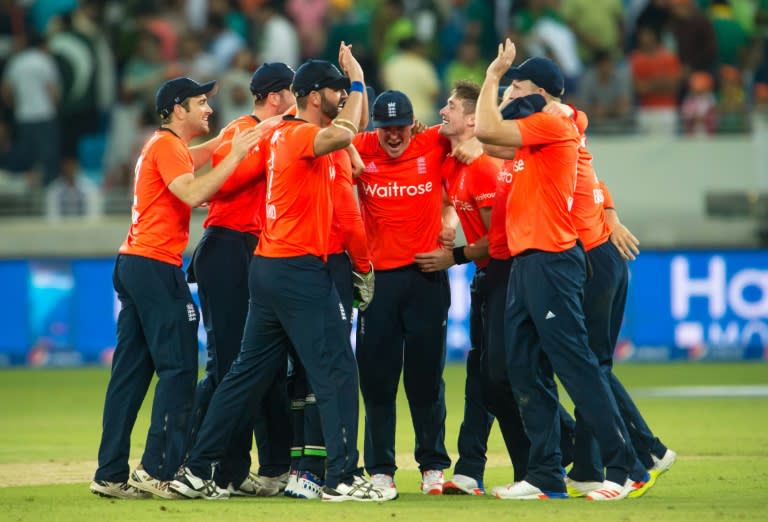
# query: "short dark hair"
{"points": [[468, 92], [167, 119]]}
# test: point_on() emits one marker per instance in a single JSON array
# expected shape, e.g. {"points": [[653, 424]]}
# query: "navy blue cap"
{"points": [[523, 106], [270, 77], [392, 109], [542, 71], [314, 75], [176, 91]]}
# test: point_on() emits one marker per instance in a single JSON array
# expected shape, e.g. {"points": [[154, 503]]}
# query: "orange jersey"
{"points": [[543, 183], [299, 207], [588, 199], [497, 233], [401, 199], [347, 229], [239, 203], [159, 220], [470, 188]]}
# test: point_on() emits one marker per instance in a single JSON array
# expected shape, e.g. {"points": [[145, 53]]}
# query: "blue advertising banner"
{"points": [[681, 305]]}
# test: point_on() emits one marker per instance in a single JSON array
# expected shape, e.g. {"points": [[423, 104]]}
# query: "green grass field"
{"points": [[51, 420]]}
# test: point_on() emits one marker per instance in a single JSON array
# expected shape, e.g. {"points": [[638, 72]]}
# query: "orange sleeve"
{"points": [[347, 215], [608, 199]]}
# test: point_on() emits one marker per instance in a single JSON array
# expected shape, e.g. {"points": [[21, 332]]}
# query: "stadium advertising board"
{"points": [[681, 305]]}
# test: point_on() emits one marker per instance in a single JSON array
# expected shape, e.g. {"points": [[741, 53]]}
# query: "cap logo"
{"points": [[392, 109]]}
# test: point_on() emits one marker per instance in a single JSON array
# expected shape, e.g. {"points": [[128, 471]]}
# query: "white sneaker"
{"points": [[360, 490], [259, 486], [432, 482], [384, 481], [611, 491], [121, 490], [305, 485], [526, 491], [142, 480], [662, 465], [578, 489], [191, 486], [463, 485]]}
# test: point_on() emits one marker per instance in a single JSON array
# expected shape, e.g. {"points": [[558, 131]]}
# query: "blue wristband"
{"points": [[357, 87]]}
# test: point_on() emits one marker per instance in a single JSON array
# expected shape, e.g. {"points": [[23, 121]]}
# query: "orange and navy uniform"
{"points": [[470, 188], [401, 198], [159, 220], [299, 208], [588, 212], [239, 203], [497, 233], [543, 183], [347, 229]]}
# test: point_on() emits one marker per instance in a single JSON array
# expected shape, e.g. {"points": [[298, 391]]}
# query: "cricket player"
{"points": [[157, 323]]}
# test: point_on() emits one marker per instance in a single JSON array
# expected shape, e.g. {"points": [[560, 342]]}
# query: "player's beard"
{"points": [[329, 110]]}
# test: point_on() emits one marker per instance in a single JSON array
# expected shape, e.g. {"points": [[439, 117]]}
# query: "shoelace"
{"points": [[366, 488]]}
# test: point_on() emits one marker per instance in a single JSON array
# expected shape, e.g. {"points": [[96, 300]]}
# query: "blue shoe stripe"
{"points": [[555, 494]]}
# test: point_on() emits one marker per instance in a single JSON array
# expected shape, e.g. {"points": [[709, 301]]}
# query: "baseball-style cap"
{"points": [[270, 77], [176, 91], [542, 71], [314, 75], [392, 109]]}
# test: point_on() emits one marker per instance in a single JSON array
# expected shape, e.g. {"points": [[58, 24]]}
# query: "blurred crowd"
{"points": [[78, 77]]}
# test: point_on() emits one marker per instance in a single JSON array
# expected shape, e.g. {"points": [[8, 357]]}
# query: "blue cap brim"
{"points": [[400, 122]]}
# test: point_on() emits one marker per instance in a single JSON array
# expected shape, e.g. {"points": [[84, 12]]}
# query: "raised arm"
{"points": [[490, 128]]}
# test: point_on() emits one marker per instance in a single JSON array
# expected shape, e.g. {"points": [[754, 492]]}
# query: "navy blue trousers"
{"points": [[497, 389], [156, 332], [545, 325], [403, 331], [605, 295], [308, 446], [476, 426], [220, 268], [293, 303]]}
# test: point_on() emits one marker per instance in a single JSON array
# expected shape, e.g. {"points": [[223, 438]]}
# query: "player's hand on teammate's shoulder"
{"points": [[418, 127], [243, 141], [558, 109]]}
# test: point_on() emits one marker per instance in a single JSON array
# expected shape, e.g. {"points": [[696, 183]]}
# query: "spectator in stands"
{"points": [[278, 40], [224, 42], [695, 38], [549, 36], [597, 25], [389, 26], [195, 61], [310, 19], [72, 194], [698, 112], [468, 65], [32, 86], [606, 95], [732, 101], [656, 79], [731, 37], [234, 99], [410, 72]]}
